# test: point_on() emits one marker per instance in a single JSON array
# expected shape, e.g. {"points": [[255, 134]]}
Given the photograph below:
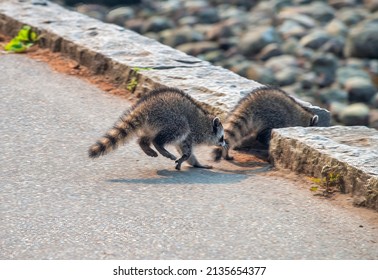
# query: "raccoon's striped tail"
{"points": [[122, 130]]}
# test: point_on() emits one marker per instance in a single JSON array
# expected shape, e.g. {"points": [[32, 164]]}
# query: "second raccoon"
{"points": [[258, 113]]}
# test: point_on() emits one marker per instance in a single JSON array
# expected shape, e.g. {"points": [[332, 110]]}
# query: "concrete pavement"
{"points": [[55, 203]]}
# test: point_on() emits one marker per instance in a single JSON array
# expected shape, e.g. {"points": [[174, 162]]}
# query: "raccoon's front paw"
{"points": [[178, 165], [217, 154]]}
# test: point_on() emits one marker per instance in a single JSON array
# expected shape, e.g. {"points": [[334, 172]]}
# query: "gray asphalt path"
{"points": [[55, 203]]}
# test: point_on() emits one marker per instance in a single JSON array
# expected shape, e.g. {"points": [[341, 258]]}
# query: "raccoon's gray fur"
{"points": [[258, 113], [164, 116]]}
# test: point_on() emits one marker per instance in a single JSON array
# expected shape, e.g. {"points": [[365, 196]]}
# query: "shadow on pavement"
{"points": [[190, 176]]}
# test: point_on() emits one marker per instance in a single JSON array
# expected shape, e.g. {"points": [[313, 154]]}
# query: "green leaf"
{"points": [[24, 40], [23, 34], [15, 46], [314, 189]]}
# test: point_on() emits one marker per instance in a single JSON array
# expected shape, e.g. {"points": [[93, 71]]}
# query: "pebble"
{"points": [[360, 90], [355, 114], [362, 40]]}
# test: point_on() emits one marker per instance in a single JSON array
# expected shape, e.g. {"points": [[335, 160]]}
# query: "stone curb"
{"points": [[132, 60], [349, 155]]}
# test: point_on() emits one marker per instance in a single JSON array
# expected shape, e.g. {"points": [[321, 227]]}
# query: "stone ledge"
{"points": [[349, 152], [125, 55]]}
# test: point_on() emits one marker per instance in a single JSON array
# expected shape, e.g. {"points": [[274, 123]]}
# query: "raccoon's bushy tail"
{"points": [[122, 130]]}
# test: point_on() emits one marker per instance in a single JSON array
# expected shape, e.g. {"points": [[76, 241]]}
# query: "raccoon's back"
{"points": [[171, 105], [273, 107]]}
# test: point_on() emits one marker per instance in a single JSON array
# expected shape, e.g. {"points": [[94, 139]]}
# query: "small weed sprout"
{"points": [[133, 83], [330, 182], [23, 41]]}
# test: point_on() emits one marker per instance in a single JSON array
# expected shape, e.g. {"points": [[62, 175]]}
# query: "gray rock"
{"points": [[360, 90], [307, 80], [213, 56], [179, 36], [120, 15], [280, 4], [352, 17], [318, 11], [187, 21], [281, 62], [302, 19], [135, 24], [315, 39], [93, 10], [290, 46], [39, 2], [196, 48], [363, 40], [355, 114], [336, 28], [269, 51], [252, 42], [335, 45], [157, 24], [335, 109], [345, 73], [286, 77], [247, 4], [290, 28], [253, 71], [208, 15], [224, 29], [324, 65], [333, 95], [338, 4], [227, 11]]}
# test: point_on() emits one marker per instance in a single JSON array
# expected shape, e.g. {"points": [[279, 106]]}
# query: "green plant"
{"points": [[329, 183], [24, 40], [132, 84]]}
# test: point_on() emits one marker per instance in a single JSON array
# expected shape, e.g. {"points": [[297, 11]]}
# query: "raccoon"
{"points": [[257, 113], [164, 116]]}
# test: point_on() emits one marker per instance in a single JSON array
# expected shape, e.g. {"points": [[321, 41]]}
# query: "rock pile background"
{"points": [[325, 52]]}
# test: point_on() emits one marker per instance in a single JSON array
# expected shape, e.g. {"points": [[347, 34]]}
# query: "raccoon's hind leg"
{"points": [[145, 142], [162, 139]]}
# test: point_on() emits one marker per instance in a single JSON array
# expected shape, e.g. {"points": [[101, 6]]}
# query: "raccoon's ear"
{"points": [[314, 120], [216, 122]]}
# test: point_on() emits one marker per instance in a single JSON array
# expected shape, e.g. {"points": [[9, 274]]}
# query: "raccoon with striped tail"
{"points": [[164, 116], [257, 113]]}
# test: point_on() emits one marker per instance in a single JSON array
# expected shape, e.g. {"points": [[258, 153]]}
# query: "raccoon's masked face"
{"points": [[218, 132]]}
